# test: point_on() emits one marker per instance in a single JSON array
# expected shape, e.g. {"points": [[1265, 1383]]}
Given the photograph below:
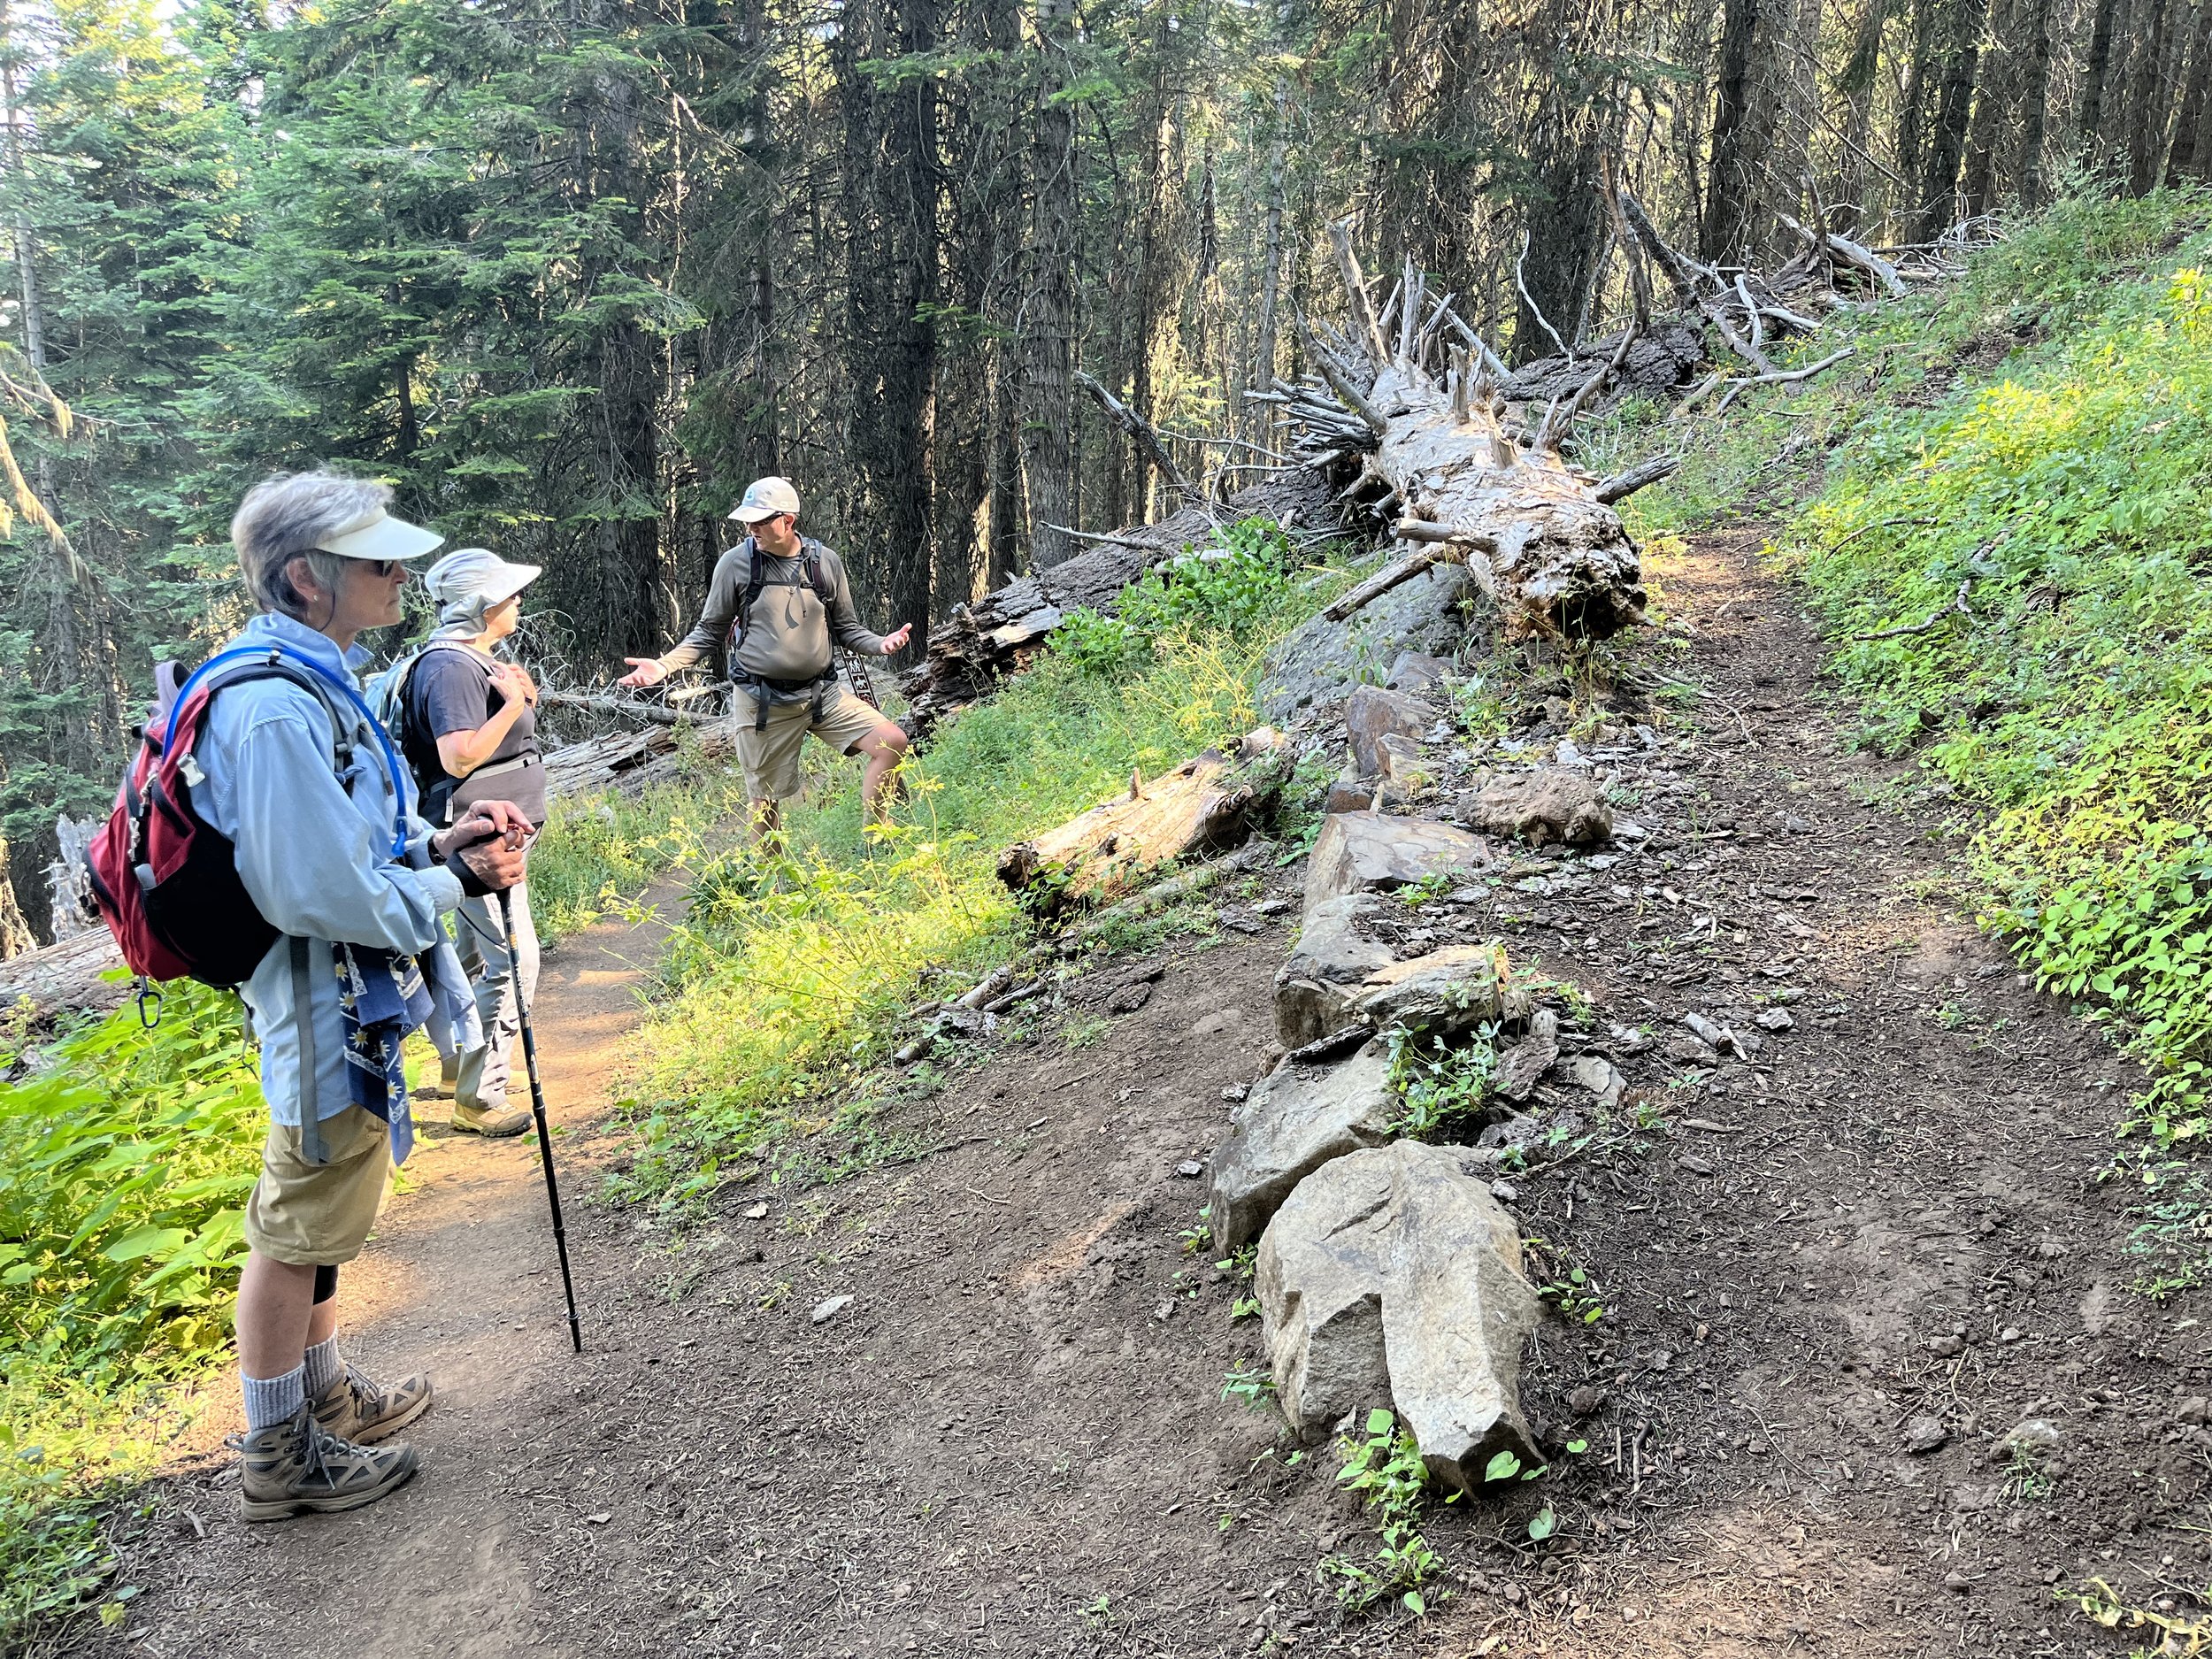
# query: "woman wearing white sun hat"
{"points": [[467, 724]]}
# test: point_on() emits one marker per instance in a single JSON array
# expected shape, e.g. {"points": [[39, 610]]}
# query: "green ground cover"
{"points": [[2007, 532]]}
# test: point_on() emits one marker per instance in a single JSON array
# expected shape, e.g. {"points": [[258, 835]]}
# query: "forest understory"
{"points": [[1015, 1438]]}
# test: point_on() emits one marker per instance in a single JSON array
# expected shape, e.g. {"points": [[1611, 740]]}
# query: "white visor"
{"points": [[382, 537]]}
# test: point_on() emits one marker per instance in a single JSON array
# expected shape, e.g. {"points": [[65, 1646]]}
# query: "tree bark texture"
{"points": [[1048, 313]]}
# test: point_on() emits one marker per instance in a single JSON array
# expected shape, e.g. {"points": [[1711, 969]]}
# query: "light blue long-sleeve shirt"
{"points": [[313, 851]]}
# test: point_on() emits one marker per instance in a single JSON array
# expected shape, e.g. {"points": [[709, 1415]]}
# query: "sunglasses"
{"points": [[381, 569]]}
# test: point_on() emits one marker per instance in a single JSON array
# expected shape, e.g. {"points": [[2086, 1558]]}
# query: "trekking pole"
{"points": [[863, 683], [537, 1110]]}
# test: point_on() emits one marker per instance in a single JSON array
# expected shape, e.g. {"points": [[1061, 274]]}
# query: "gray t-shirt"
{"points": [[451, 691]]}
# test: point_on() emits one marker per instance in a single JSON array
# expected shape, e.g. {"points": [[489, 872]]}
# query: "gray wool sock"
{"points": [[273, 1400], [322, 1366]]}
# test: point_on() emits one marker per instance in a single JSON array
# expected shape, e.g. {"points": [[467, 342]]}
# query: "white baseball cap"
{"points": [[378, 536], [764, 498]]}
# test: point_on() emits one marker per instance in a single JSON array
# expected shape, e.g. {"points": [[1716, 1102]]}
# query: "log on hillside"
{"points": [[979, 644], [1207, 803]]}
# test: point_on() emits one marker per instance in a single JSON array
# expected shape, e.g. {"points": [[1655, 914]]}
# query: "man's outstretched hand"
{"points": [[486, 846], [644, 671], [895, 641]]}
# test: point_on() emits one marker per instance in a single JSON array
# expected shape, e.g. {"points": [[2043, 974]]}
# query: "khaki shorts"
{"points": [[771, 758], [319, 1215]]}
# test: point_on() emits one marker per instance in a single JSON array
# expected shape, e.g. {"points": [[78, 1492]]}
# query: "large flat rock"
{"points": [[1315, 988], [1295, 1119], [1391, 1276], [1446, 993], [1552, 804], [1359, 852]]}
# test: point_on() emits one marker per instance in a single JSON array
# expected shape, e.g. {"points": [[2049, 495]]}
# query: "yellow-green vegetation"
{"points": [[791, 971], [125, 1154], [2009, 544]]}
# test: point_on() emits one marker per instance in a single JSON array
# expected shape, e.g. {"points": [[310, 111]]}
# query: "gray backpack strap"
{"points": [[311, 1147]]}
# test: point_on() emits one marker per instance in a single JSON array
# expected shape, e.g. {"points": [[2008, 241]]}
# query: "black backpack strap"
{"points": [[816, 577], [756, 579], [342, 719]]}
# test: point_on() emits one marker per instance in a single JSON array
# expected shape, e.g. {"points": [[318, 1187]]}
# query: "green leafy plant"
{"points": [[1384, 1466], [1252, 1387], [1440, 1081]]}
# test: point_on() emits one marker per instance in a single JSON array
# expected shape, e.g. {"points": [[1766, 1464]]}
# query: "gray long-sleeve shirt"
{"points": [[787, 636]]}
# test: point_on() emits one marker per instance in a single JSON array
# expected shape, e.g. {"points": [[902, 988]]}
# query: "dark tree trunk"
{"points": [[2149, 99], [2096, 73], [1048, 317], [1738, 146], [2191, 156], [1993, 109], [1955, 96], [2035, 106]]}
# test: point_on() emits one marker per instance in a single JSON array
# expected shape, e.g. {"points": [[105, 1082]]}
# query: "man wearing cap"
{"points": [[467, 723], [296, 778], [775, 604]]}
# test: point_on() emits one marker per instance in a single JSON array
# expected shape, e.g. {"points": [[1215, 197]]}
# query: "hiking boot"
{"points": [[298, 1467], [484, 1120], [358, 1409]]}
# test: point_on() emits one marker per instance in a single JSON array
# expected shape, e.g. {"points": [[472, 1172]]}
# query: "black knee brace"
{"points": [[326, 1283]]}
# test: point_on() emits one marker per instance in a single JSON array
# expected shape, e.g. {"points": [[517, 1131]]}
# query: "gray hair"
{"points": [[283, 517]]}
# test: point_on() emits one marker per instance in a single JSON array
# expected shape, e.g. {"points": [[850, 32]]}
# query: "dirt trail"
{"points": [[1013, 1440], [459, 1280]]}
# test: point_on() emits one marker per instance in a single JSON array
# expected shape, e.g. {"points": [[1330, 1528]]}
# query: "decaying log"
{"points": [[1629, 479], [1527, 526], [980, 643], [1207, 803], [621, 707]]}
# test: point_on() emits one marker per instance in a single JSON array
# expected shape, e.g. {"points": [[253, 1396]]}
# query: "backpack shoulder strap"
{"points": [[341, 724], [817, 577], [756, 579]]}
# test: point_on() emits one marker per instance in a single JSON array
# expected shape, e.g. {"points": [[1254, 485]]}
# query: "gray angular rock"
{"points": [[1552, 804], [1314, 988], [1416, 671], [1359, 851], [1404, 772], [1296, 1119], [1391, 1276], [1599, 1075], [1446, 993], [1372, 714], [1322, 659]]}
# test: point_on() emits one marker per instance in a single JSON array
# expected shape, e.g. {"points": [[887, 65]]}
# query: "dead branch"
{"points": [[1355, 294], [1628, 480], [1957, 607], [1353, 398], [1137, 429]]}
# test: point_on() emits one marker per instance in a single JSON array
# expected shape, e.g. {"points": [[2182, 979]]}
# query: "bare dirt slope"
{"points": [[1013, 1438]]}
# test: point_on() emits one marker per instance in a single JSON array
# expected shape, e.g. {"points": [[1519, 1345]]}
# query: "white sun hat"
{"points": [[378, 536], [764, 498], [469, 580]]}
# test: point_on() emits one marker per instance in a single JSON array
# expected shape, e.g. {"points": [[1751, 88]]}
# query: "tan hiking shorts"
{"points": [[771, 758], [318, 1214]]}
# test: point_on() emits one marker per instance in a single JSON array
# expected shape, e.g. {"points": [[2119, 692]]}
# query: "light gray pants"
{"points": [[481, 936]]}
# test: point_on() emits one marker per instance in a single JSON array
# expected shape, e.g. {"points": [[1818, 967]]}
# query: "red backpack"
{"points": [[165, 879]]}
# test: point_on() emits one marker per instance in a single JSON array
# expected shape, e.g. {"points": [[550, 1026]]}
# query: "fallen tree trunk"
{"points": [[983, 642], [1528, 526], [1205, 803]]}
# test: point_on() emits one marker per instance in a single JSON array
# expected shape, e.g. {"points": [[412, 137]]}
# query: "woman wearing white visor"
{"points": [[467, 723]]}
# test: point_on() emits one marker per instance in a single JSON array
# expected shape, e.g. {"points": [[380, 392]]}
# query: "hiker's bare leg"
{"points": [[767, 818], [278, 1316], [884, 748]]}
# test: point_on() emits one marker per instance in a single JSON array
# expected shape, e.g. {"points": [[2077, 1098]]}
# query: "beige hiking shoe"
{"points": [[480, 1120], [354, 1407], [298, 1467]]}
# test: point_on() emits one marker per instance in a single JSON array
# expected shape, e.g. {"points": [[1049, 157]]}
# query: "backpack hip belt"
{"points": [[813, 691]]}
